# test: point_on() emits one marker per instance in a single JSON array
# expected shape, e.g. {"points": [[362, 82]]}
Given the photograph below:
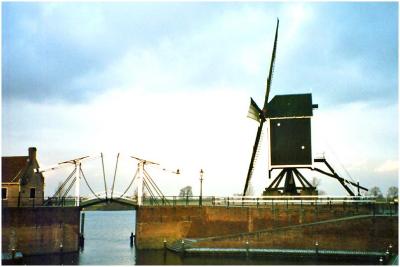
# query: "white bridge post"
{"points": [[77, 181], [140, 182]]}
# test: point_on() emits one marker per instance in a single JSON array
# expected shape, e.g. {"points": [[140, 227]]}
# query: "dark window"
{"points": [[32, 193], [3, 193]]}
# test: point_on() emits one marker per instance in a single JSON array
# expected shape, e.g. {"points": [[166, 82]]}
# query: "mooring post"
{"points": [[82, 234], [13, 253], [83, 223], [131, 239], [183, 246], [247, 248], [387, 254], [165, 252], [228, 203], [316, 248], [61, 254]]}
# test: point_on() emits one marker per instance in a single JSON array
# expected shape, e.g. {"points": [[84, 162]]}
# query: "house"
{"points": [[20, 184]]}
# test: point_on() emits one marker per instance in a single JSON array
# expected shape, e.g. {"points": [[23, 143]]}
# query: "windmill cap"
{"points": [[296, 105]]}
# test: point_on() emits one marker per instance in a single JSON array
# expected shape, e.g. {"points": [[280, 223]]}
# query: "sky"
{"points": [[171, 83]]}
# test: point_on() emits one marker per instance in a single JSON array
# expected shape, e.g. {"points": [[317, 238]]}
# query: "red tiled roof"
{"points": [[11, 167]]}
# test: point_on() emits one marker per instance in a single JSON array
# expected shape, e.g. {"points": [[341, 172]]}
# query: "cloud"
{"points": [[182, 130], [388, 166], [71, 51]]}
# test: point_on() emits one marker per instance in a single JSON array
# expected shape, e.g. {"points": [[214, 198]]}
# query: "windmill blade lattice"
{"points": [[261, 114]]}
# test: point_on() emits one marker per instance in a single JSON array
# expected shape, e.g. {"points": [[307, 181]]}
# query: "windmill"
{"points": [[288, 118]]}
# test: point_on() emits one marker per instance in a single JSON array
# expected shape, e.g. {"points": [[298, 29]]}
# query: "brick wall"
{"points": [[40, 230], [154, 224]]}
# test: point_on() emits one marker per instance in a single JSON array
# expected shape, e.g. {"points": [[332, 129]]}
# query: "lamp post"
{"points": [[201, 188]]}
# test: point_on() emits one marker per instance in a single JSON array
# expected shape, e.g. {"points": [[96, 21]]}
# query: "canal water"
{"points": [[107, 243]]}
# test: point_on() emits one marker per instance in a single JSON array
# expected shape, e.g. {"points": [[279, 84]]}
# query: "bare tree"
{"points": [[186, 191], [316, 183], [375, 192], [136, 193], [393, 192]]}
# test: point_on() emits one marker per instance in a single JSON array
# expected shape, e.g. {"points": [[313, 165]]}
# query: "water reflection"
{"points": [[160, 257], [107, 242]]}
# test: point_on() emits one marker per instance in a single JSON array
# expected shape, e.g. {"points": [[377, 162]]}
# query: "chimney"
{"points": [[32, 154]]}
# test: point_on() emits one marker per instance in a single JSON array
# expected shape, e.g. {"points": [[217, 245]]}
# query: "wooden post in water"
{"points": [[183, 247], [165, 252], [83, 223], [131, 239], [82, 234], [61, 254]]}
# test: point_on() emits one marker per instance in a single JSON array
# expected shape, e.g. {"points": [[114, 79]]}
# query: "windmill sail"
{"points": [[271, 68], [253, 156], [254, 111], [261, 114]]}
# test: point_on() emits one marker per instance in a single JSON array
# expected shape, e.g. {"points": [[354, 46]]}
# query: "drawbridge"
{"points": [[140, 184]]}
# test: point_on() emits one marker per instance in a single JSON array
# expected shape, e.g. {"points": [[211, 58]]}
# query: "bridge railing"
{"points": [[371, 203], [386, 206], [254, 201], [38, 202]]}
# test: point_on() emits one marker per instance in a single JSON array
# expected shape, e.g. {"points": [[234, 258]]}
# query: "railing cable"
{"points": [[64, 183], [104, 175], [150, 191], [84, 178], [69, 187], [129, 186], [157, 189], [115, 174]]}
